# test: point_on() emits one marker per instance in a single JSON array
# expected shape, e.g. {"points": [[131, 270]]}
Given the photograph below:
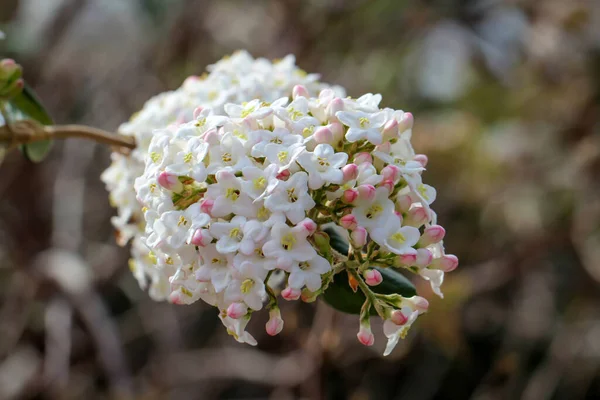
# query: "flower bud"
{"points": [[207, 206], [321, 240], [447, 263], [349, 196], [362, 158], [201, 237], [421, 159], [366, 192], [350, 172], [211, 137], [283, 175], [358, 237], [9, 70], [197, 111], [170, 182], [388, 185], [416, 216], [372, 277], [308, 225], [406, 122], [432, 234], [299, 91], [405, 260], [398, 317], [237, 310], [338, 131], [323, 135], [424, 258], [275, 323], [418, 303], [290, 293], [348, 222], [365, 336], [391, 172], [404, 202], [308, 297], [334, 106], [390, 129]]}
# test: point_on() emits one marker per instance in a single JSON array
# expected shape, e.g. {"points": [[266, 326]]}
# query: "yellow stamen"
{"points": [[288, 241], [247, 286], [364, 122], [282, 156]]}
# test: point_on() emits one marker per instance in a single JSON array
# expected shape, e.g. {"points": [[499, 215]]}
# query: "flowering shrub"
{"points": [[236, 78], [293, 199]]}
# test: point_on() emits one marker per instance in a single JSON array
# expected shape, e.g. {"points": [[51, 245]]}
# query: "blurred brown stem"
{"points": [[28, 131]]}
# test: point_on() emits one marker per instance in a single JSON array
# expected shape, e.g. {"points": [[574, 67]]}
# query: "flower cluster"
{"points": [[236, 204], [237, 78]]}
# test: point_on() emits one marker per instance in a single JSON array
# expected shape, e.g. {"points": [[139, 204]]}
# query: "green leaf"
{"points": [[340, 296], [337, 242], [29, 106]]}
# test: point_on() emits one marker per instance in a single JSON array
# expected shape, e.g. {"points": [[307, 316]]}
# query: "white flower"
{"points": [[396, 332], [308, 273], [229, 234], [189, 161], [261, 138], [287, 245], [229, 197], [370, 214], [248, 285], [228, 155], [394, 238], [323, 166], [283, 156], [214, 267], [363, 125], [252, 109], [259, 182], [291, 198], [176, 227], [237, 329]]}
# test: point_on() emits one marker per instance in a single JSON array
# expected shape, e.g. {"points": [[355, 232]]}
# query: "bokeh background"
{"points": [[506, 96]]}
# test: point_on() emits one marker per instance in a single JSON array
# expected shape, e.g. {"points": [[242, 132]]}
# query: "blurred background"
{"points": [[506, 96]]}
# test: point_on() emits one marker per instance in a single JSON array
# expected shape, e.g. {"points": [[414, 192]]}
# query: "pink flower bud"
{"points": [[201, 237], [421, 159], [424, 258], [275, 323], [207, 206], [299, 91], [237, 310], [416, 216], [283, 175], [372, 277], [405, 260], [349, 196], [390, 129], [365, 336], [290, 293], [406, 123], [323, 135], [169, 182], [388, 185], [418, 303], [175, 298], [432, 234], [404, 202], [366, 192], [398, 317], [334, 106], [358, 237], [362, 158], [308, 225], [211, 137], [391, 172], [338, 131], [348, 221], [350, 172], [197, 111], [447, 263]]}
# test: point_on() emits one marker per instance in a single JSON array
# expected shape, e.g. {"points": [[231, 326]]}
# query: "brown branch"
{"points": [[28, 131]]}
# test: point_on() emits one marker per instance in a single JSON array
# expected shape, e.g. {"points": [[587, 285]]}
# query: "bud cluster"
{"points": [[235, 205]]}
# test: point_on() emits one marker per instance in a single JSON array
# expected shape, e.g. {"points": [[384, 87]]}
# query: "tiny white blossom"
{"points": [[323, 166]]}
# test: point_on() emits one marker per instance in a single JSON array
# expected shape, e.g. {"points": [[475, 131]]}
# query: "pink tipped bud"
{"points": [[372, 277], [237, 310], [421, 159], [363, 157], [398, 317], [416, 216], [406, 122], [365, 336], [350, 172], [405, 260], [299, 91], [366, 192], [275, 323], [358, 237], [176, 298], [338, 131], [391, 172], [201, 238], [404, 202], [323, 135], [289, 293], [390, 129], [223, 175], [424, 258], [211, 137], [432, 234], [348, 221], [334, 106], [447, 263], [388, 185], [207, 206], [349, 196], [197, 111], [418, 303], [283, 175], [169, 182], [308, 225]]}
